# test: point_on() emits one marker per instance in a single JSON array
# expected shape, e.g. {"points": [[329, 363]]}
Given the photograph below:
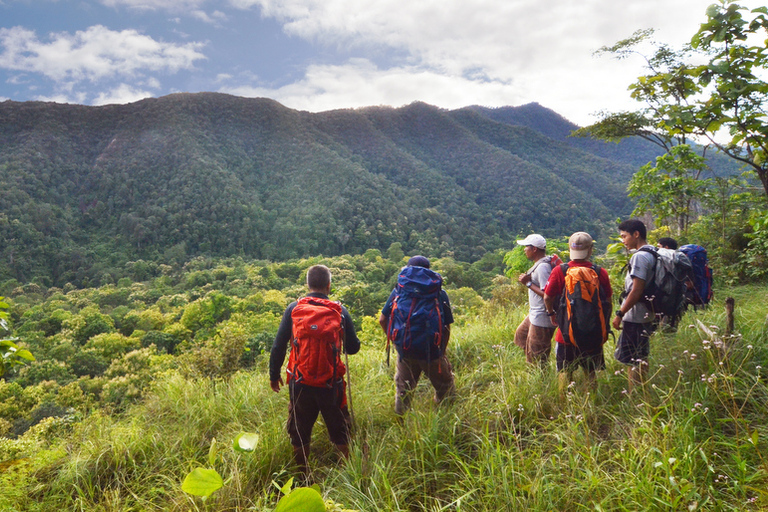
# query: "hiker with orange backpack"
{"points": [[417, 318], [578, 300], [319, 330]]}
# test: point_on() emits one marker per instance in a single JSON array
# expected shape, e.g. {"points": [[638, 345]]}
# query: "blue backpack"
{"points": [[416, 320], [701, 293]]}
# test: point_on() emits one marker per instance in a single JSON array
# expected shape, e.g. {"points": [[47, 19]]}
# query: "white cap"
{"points": [[534, 240]]}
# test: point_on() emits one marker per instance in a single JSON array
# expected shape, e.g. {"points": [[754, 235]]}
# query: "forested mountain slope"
{"points": [[85, 189]]}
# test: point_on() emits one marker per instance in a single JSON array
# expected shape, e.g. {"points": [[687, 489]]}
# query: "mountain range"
{"points": [[84, 190]]}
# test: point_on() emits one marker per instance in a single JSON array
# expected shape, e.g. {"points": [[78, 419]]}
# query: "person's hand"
{"points": [[553, 319], [616, 323], [275, 384], [523, 278]]}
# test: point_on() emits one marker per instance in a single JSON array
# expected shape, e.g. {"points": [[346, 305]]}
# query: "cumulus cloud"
{"points": [[515, 48], [121, 94], [360, 83], [93, 54]]}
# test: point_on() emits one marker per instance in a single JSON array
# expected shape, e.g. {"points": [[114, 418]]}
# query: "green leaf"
{"points": [[213, 451], [202, 482], [303, 499], [287, 487], [25, 354], [246, 442], [755, 438]]}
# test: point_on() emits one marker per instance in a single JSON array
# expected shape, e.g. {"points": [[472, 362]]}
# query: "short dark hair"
{"points": [[669, 243], [318, 277], [632, 225]]}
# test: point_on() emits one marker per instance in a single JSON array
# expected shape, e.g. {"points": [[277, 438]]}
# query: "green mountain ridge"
{"points": [[85, 189]]}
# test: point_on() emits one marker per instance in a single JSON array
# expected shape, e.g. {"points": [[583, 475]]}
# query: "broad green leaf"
{"points": [[202, 482], [246, 442], [303, 499]]}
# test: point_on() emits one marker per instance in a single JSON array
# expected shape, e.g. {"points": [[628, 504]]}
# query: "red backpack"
{"points": [[318, 334]]}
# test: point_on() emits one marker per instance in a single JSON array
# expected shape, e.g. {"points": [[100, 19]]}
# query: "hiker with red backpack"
{"points": [[534, 334], [319, 330], [417, 318], [577, 298], [635, 317]]}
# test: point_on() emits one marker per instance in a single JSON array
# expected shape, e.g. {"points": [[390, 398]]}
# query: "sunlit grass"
{"points": [[693, 439]]}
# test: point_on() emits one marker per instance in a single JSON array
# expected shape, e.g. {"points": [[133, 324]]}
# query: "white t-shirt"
{"points": [[640, 266], [537, 313]]}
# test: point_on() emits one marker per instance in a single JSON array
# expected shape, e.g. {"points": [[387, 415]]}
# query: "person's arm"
{"points": [[552, 290], [549, 305], [638, 287], [383, 321], [279, 348], [446, 337], [447, 319], [351, 341], [385, 312]]}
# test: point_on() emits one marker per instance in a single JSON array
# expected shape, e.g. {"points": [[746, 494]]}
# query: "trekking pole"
{"points": [[349, 397]]}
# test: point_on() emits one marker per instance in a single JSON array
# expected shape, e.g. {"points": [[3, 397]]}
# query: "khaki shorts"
{"points": [[535, 341]]}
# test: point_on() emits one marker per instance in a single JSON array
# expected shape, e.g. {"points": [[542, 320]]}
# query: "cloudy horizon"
{"points": [[320, 55]]}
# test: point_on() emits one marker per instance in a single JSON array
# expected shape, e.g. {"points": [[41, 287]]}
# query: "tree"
{"points": [[719, 102], [10, 354], [669, 189]]}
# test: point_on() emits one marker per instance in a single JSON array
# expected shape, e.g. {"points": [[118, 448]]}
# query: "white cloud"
{"points": [[78, 98], [122, 94], [154, 5], [360, 83], [92, 54], [516, 48], [214, 18]]}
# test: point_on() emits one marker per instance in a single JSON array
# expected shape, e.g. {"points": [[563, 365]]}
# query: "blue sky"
{"points": [[320, 55]]}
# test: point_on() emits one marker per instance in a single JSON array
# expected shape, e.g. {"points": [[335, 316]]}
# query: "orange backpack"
{"points": [[318, 334], [584, 312]]}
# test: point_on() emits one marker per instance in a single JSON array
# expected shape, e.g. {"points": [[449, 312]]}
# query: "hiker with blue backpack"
{"points": [[699, 292], [417, 318], [319, 331], [699, 281]]}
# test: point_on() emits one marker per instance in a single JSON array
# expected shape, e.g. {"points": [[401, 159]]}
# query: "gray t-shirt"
{"points": [[640, 266], [537, 313]]}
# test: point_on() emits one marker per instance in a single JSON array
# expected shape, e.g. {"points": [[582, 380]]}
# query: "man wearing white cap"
{"points": [[534, 335]]}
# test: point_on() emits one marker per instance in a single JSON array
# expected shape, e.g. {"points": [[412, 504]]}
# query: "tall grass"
{"points": [[693, 439]]}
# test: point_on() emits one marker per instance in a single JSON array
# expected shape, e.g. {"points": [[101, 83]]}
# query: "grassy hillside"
{"points": [[694, 439]]}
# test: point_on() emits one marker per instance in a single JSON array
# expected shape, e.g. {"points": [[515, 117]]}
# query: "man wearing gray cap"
{"points": [[534, 334], [586, 327]]}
